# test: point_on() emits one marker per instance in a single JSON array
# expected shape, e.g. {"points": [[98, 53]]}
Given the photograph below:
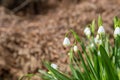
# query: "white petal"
{"points": [[100, 42], [92, 45], [117, 31], [75, 48], [101, 30], [66, 41], [87, 31], [96, 39], [54, 66]]}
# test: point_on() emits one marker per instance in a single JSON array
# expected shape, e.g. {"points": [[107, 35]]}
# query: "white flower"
{"points": [[98, 53], [92, 45], [66, 41], [101, 30], [87, 31], [54, 66], [68, 54], [75, 48], [98, 40], [117, 31]]}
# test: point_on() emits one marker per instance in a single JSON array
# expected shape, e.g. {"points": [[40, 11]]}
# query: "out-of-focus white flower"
{"points": [[117, 31], [98, 40], [98, 37], [101, 30], [54, 66], [69, 54], [92, 45], [98, 53], [66, 42], [75, 48], [87, 31]]}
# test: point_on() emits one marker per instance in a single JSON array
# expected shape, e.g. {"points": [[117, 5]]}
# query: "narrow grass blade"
{"points": [[107, 64], [56, 73]]}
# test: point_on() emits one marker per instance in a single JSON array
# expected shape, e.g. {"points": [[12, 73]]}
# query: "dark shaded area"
{"points": [[33, 6]]}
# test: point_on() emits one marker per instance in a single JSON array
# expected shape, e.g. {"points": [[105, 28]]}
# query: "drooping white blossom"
{"points": [[75, 48], [69, 54], [116, 31], [87, 31], [101, 30], [92, 45], [66, 42], [54, 66], [100, 42], [97, 40]]}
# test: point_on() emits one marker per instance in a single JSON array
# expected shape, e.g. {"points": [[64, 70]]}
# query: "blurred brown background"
{"points": [[32, 31]]}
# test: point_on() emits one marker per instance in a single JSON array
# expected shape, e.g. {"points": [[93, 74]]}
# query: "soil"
{"points": [[28, 41]]}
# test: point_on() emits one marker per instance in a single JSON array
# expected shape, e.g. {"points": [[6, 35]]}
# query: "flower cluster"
{"points": [[96, 59], [98, 40]]}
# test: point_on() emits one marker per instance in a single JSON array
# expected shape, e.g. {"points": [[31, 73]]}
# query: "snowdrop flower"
{"points": [[117, 31], [54, 66], [98, 53], [87, 31], [92, 45], [68, 54], [101, 30], [75, 48], [98, 40], [66, 42]]}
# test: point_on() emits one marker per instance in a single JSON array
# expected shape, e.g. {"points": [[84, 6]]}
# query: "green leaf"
{"points": [[107, 64], [117, 51], [76, 36], [118, 22], [84, 65], [56, 73], [76, 73], [93, 27], [46, 75], [87, 58], [100, 21], [115, 21]]}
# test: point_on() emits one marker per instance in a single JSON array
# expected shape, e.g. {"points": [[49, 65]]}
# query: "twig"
{"points": [[21, 6]]}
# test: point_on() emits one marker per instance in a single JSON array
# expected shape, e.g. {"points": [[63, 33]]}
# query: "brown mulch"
{"points": [[26, 42]]}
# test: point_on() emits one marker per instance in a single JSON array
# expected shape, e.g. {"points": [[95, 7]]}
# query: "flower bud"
{"points": [[75, 48], [87, 31], [66, 42], [101, 30], [54, 66], [117, 31]]}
